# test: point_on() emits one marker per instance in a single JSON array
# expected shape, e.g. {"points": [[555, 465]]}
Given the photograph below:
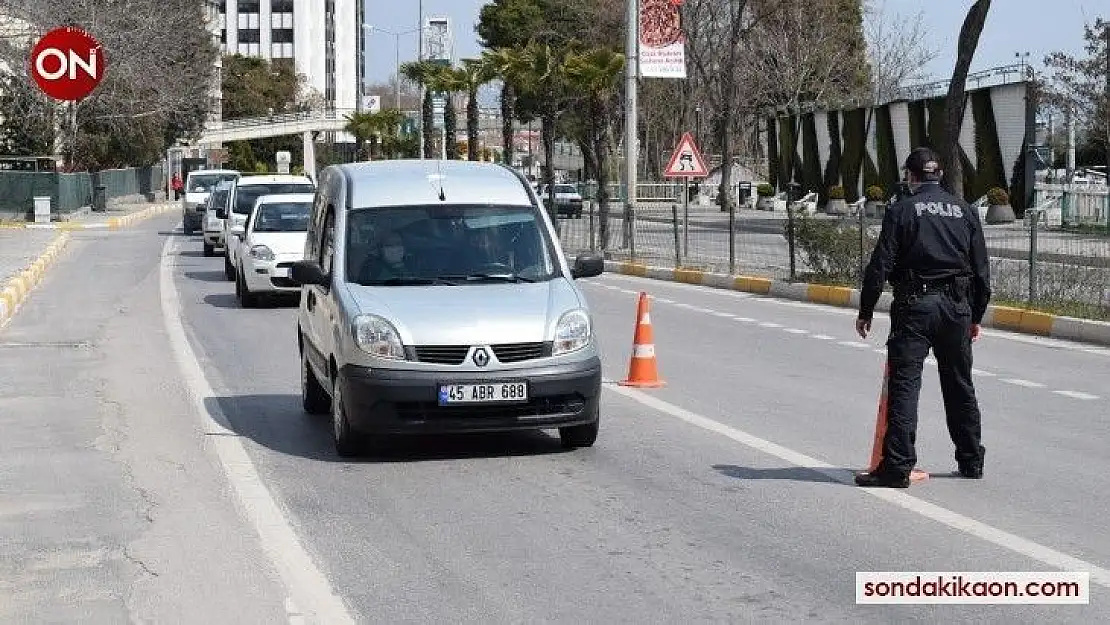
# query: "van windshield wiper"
{"points": [[496, 277], [409, 282]]}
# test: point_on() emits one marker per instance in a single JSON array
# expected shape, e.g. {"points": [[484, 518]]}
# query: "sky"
{"points": [[1034, 26]]}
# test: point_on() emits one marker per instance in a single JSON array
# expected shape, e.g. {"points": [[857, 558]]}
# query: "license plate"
{"points": [[281, 272], [492, 392]]}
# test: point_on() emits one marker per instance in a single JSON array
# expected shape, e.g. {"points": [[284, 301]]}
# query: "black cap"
{"points": [[924, 163]]}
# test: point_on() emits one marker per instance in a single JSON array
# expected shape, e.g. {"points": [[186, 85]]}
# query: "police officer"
{"points": [[932, 251]]}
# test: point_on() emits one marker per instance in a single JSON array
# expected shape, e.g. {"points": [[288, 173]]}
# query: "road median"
{"points": [[111, 223], [999, 317], [16, 289]]}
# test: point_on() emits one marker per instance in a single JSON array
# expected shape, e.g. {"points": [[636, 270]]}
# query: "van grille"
{"points": [[442, 354], [517, 352]]}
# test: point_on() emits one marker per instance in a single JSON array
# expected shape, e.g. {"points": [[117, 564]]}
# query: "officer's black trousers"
{"points": [[933, 320]]}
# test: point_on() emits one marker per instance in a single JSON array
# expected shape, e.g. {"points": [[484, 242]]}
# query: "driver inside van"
{"points": [[387, 261]]}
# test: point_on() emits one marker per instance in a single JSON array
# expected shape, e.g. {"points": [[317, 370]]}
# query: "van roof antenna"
{"points": [[439, 170]]}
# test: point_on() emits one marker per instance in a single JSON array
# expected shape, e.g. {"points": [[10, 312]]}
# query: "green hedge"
{"points": [[830, 249]]}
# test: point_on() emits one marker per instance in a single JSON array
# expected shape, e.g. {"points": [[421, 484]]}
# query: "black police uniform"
{"points": [[933, 252]]}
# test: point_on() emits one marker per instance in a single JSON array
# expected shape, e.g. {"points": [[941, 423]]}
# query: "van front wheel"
{"points": [[580, 435]]}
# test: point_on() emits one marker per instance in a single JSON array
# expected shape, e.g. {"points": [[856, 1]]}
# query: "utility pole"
{"points": [[632, 70], [1107, 106], [420, 58]]}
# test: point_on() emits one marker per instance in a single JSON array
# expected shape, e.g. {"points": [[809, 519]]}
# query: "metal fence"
{"points": [[69, 192], [1057, 267]]}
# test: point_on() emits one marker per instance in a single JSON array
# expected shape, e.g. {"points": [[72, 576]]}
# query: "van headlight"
{"points": [[572, 333], [261, 252], [377, 337]]}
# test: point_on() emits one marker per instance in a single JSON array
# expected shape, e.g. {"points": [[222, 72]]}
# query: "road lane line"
{"points": [[723, 314], [855, 344], [1021, 382], [824, 337], [985, 374], [795, 331], [1077, 395], [770, 324], [944, 516], [745, 319], [306, 584]]}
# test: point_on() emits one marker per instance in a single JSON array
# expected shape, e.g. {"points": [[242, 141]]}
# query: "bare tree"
{"points": [[897, 50], [956, 101]]}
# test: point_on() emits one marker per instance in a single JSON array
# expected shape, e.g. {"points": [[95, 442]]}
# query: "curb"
{"points": [[113, 223], [998, 317], [16, 290]]}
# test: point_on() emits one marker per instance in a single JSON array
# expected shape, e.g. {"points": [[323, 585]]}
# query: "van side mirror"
{"points": [[221, 213], [308, 272], [588, 265]]}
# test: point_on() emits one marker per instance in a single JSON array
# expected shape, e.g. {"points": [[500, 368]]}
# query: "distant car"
{"points": [[437, 299], [274, 239], [213, 225], [568, 201], [198, 185], [244, 194]]}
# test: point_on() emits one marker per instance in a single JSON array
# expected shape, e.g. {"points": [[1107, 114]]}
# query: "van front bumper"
{"points": [[392, 401]]}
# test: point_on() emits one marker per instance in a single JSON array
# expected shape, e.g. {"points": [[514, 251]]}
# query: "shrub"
{"points": [[830, 251], [836, 193], [998, 197], [765, 190], [875, 193]]}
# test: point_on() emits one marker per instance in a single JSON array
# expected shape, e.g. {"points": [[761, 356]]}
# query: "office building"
{"points": [[322, 38]]}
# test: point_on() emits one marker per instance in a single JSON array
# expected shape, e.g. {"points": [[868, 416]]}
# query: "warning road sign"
{"points": [[687, 161]]}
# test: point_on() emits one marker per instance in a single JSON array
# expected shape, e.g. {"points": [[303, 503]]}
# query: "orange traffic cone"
{"points": [[643, 370], [916, 475]]}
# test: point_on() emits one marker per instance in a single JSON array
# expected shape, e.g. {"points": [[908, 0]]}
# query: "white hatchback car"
{"points": [[274, 239], [244, 194]]}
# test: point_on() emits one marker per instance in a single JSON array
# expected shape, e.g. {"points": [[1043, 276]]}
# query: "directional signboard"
{"points": [[687, 161]]}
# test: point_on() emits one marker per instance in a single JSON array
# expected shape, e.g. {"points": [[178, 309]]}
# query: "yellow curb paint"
{"points": [[10, 298], [634, 269], [1035, 322], [752, 285], [840, 296], [688, 276], [113, 223], [1006, 318], [817, 293]]}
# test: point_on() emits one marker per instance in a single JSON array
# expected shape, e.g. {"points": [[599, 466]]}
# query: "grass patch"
{"points": [[1079, 310]]}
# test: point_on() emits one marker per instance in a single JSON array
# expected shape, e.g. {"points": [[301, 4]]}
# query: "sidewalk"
{"points": [[117, 216]]}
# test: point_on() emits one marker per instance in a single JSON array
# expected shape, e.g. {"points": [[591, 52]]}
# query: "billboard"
{"points": [[662, 41]]}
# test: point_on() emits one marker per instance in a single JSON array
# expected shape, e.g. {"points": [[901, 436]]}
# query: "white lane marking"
{"points": [[745, 319], [723, 314], [663, 300], [824, 337], [1077, 395], [855, 344], [769, 324], [795, 331], [1021, 382], [1040, 341], [306, 584], [944, 516], [980, 372]]}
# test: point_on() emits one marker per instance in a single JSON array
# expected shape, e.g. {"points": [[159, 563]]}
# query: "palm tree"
{"points": [[501, 63], [469, 79], [382, 125], [425, 74], [595, 76], [447, 83], [539, 73]]}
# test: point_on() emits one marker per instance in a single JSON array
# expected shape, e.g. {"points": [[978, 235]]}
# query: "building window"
{"points": [[250, 35], [223, 35], [281, 6], [282, 35], [250, 6]]}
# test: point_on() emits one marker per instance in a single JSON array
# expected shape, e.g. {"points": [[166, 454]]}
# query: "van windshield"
{"points": [[246, 195], [447, 245], [204, 183]]}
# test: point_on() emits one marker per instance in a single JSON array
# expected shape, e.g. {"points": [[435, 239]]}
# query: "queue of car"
{"points": [[434, 297]]}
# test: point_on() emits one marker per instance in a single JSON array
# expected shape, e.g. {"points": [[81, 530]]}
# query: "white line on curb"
{"points": [[308, 588], [954, 520]]}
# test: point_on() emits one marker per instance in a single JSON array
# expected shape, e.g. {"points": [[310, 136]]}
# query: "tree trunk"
{"points": [[601, 151], [724, 191], [450, 128], [507, 98], [956, 102], [472, 121], [428, 113], [547, 132]]}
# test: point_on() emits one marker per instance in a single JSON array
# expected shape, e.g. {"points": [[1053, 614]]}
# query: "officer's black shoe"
{"points": [[877, 479], [972, 471]]}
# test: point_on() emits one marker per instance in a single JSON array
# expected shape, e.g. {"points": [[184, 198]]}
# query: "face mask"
{"points": [[393, 254]]}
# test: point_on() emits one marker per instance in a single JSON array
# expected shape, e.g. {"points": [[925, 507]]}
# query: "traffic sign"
{"points": [[687, 161], [67, 63]]}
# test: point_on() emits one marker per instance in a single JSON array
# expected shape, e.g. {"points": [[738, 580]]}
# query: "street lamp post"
{"points": [[396, 54]]}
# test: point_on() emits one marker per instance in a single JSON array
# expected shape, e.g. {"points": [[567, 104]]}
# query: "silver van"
{"points": [[436, 298]]}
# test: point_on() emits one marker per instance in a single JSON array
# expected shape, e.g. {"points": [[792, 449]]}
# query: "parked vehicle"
{"points": [[273, 240], [568, 201], [198, 185], [213, 225], [437, 299], [246, 191]]}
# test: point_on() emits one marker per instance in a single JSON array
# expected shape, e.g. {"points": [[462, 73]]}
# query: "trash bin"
{"points": [[100, 198], [42, 209]]}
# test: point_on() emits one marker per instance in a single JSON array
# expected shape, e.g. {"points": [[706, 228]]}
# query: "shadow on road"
{"points": [[221, 300], [207, 276], [177, 233], [278, 423], [191, 253], [795, 474]]}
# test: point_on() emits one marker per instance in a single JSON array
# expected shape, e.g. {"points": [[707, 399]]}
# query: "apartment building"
{"points": [[323, 38]]}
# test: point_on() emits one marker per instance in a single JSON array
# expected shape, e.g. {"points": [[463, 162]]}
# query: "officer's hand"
{"points": [[975, 332], [863, 326]]}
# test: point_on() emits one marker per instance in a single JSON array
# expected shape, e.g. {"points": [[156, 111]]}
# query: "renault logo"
{"points": [[481, 357]]}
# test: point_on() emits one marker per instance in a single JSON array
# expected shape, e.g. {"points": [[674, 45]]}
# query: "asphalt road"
{"points": [[723, 497]]}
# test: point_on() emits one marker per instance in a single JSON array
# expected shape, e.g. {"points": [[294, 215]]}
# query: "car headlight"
{"points": [[377, 337], [261, 252], [572, 332]]}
